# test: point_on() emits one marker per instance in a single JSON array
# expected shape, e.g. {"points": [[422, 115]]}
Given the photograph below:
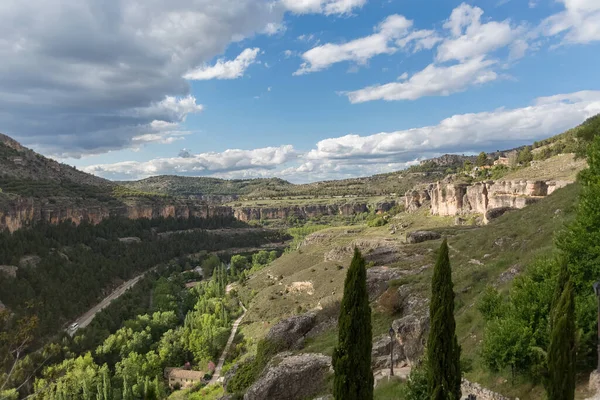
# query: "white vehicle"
{"points": [[74, 326]]}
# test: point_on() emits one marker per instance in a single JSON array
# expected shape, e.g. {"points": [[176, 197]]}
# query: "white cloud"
{"points": [[579, 23], [358, 50], [199, 164], [460, 133], [434, 80], [469, 38], [232, 69], [420, 40], [327, 7], [354, 155], [274, 28]]}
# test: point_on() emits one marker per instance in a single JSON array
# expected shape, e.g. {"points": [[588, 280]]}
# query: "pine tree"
{"points": [[352, 356], [443, 352], [561, 352]]}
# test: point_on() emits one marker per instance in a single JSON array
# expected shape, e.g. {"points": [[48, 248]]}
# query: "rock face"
{"points": [[291, 331], [378, 279], [17, 213], [308, 211], [482, 197], [292, 378], [415, 199], [422, 236]]}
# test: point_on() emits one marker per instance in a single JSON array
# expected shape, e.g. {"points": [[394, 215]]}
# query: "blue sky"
{"points": [[301, 89]]}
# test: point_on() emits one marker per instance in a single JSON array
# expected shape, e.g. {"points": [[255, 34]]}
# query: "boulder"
{"points": [[9, 270], [411, 333], [29, 261], [378, 279], [422, 236], [497, 212], [292, 378], [291, 331]]}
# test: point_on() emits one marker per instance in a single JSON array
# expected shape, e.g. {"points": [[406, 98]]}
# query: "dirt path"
{"points": [[87, 318], [217, 375]]}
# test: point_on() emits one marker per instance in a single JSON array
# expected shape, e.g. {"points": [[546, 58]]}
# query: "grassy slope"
{"points": [[479, 255]]}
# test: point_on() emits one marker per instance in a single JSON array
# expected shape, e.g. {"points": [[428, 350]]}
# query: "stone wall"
{"points": [[479, 392]]}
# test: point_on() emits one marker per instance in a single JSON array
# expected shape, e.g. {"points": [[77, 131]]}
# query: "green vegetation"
{"points": [[250, 370], [443, 351], [130, 362], [352, 356], [561, 351]]}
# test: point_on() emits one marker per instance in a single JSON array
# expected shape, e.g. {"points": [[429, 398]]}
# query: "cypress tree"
{"points": [[443, 352], [561, 351], [353, 378]]}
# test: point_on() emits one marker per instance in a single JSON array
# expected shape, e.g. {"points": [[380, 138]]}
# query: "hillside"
{"points": [[19, 163]]}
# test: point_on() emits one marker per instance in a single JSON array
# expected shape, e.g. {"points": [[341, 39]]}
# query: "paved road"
{"points": [[86, 318], [217, 375]]}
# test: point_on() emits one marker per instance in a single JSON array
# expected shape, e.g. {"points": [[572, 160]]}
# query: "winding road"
{"points": [[217, 375]]}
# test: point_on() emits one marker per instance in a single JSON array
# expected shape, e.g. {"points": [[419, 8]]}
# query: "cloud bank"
{"points": [[354, 155]]}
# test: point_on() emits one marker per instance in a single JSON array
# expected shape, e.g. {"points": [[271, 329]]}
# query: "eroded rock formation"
{"points": [[451, 199], [307, 211], [17, 213]]}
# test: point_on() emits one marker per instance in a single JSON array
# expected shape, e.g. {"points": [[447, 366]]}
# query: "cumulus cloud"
{"points": [[469, 38], [198, 164], [358, 50], [232, 69], [354, 155], [463, 57], [579, 22], [459, 133], [75, 75], [327, 7], [434, 80]]}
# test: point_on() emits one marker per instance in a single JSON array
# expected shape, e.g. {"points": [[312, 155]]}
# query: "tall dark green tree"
{"points": [[561, 351], [352, 356], [443, 352]]}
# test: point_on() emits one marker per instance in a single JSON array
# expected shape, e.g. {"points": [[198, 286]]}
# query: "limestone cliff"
{"points": [[18, 212], [307, 211], [449, 199]]}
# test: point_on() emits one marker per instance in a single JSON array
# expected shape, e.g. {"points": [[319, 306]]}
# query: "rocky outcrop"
{"points": [[304, 212], [18, 212], [291, 377], [449, 198], [291, 331], [378, 279], [422, 236], [470, 388], [415, 199]]}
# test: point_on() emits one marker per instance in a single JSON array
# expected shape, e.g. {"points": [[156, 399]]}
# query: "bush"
{"points": [[378, 221]]}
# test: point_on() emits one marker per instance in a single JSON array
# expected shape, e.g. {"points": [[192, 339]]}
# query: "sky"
{"points": [[304, 90]]}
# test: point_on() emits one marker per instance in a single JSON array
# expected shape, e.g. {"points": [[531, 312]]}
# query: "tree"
{"points": [[443, 352], [353, 378], [561, 352], [579, 245], [482, 159], [525, 156], [237, 264]]}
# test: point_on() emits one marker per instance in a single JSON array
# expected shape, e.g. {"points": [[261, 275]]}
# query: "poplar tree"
{"points": [[353, 378], [443, 352]]}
